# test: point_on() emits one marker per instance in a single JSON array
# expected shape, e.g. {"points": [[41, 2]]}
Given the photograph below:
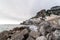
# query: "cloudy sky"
{"points": [[16, 11]]}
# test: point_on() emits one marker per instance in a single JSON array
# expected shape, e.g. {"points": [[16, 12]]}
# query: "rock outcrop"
{"points": [[44, 26]]}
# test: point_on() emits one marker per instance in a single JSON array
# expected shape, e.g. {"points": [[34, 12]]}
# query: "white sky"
{"points": [[16, 11]]}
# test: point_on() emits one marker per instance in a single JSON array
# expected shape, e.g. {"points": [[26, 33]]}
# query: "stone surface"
{"points": [[34, 34], [19, 35], [30, 38], [57, 34], [32, 21], [41, 38], [55, 8], [45, 28], [4, 35]]}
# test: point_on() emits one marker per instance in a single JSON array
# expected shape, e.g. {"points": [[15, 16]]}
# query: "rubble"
{"points": [[44, 26]]}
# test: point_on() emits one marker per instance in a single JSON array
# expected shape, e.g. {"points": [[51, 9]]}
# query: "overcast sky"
{"points": [[16, 11]]}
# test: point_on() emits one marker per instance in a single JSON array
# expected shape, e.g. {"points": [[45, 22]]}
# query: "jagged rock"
{"points": [[27, 22], [41, 38], [4, 35], [32, 21], [57, 34], [41, 13], [33, 28], [34, 34], [55, 8], [30, 38], [45, 28], [36, 20], [55, 27], [19, 35], [50, 36]]}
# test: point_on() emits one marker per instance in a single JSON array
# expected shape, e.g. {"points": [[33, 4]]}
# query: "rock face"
{"points": [[44, 26], [54, 10]]}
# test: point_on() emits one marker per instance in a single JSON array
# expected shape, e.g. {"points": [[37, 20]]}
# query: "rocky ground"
{"points": [[44, 26]]}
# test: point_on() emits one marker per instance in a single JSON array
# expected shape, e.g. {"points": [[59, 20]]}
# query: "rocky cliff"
{"points": [[44, 26]]}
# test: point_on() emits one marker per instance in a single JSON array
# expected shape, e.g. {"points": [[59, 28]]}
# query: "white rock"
{"points": [[57, 34], [33, 28]]}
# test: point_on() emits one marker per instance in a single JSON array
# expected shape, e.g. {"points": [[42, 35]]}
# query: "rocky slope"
{"points": [[44, 26]]}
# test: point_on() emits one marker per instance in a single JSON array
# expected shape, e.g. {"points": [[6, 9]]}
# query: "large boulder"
{"points": [[4, 35], [57, 34], [34, 34], [41, 38], [45, 28], [30, 38], [19, 35]]}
